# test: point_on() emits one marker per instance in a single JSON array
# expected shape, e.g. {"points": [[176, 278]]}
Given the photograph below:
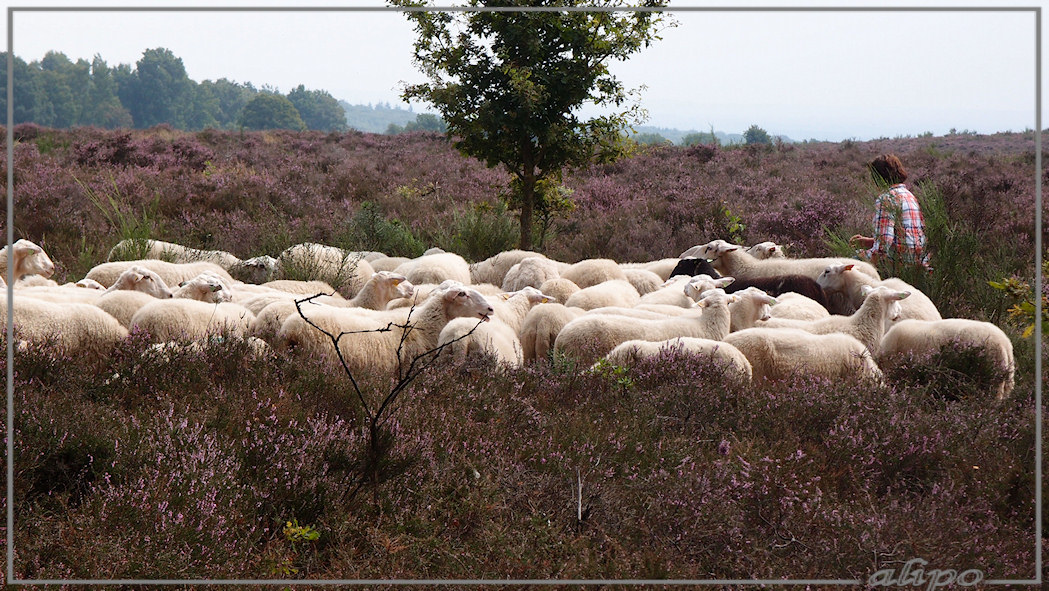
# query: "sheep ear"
{"points": [[215, 288], [847, 268], [183, 284], [901, 295], [866, 289], [692, 252], [724, 281], [771, 300], [506, 295], [395, 281]]}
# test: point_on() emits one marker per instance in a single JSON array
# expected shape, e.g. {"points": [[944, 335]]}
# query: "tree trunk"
{"points": [[527, 209]]}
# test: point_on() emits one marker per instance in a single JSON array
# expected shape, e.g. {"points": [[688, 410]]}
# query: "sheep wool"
{"points": [[736, 364], [780, 353], [75, 329], [925, 337], [180, 318]]}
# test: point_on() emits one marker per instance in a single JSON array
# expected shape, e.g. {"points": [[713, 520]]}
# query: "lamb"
{"points": [[607, 293], [494, 269], [256, 270], [169, 251], [170, 273], [736, 364], [139, 278], [412, 332], [590, 272], [594, 335], [844, 279], [866, 325], [731, 259], [560, 289], [798, 307], [76, 329], [780, 353], [498, 338], [205, 288], [182, 318], [324, 263], [531, 272], [643, 280], [29, 259], [927, 336], [435, 268]]}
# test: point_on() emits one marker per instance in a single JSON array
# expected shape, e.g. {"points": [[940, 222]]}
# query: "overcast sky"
{"points": [[807, 75]]}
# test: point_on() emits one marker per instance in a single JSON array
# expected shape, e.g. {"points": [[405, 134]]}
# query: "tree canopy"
{"points": [[509, 85], [270, 111]]}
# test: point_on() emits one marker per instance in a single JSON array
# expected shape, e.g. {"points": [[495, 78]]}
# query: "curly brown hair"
{"points": [[888, 168]]}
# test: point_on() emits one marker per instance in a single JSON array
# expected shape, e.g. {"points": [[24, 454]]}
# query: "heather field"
{"points": [[217, 464]]}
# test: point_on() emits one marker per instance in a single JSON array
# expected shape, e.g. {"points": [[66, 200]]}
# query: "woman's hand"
{"points": [[861, 241]]}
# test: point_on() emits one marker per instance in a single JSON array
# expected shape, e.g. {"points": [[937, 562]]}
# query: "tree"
{"points": [[509, 85], [271, 111], [318, 109], [231, 98], [756, 135], [26, 90], [158, 91]]}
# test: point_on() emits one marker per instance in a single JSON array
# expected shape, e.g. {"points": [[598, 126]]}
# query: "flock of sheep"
{"points": [[766, 316]]}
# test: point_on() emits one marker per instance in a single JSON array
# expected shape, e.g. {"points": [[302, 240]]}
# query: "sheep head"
{"points": [[461, 302], [30, 259], [139, 278]]}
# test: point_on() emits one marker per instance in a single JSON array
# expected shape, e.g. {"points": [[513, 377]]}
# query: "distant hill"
{"points": [[677, 135], [377, 118]]}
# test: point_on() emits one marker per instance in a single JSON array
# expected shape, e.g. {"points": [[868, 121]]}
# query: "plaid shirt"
{"points": [[899, 203]]}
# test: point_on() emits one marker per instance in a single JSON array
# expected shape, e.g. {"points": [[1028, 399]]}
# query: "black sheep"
{"points": [[692, 266], [781, 284]]}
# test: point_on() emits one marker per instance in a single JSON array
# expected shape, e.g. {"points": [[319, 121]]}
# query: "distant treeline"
{"points": [[57, 92]]}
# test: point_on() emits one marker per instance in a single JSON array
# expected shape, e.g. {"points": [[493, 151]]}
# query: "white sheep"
{"points": [[271, 317], [751, 308], [436, 268], [735, 363], [780, 353], [171, 273], [122, 304], [662, 267], [378, 336], [308, 287], [381, 289], [388, 263], [731, 259], [182, 318], [76, 329], [90, 284], [139, 278], [594, 335], [530, 272], [923, 337], [29, 259], [256, 270], [559, 288], [541, 326], [498, 338], [205, 287], [866, 325], [590, 272], [59, 294], [766, 250], [672, 293], [320, 262], [616, 292], [798, 307], [643, 280], [35, 281], [494, 269], [169, 251], [846, 281]]}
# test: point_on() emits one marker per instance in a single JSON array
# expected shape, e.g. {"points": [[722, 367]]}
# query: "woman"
{"points": [[899, 227]]}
